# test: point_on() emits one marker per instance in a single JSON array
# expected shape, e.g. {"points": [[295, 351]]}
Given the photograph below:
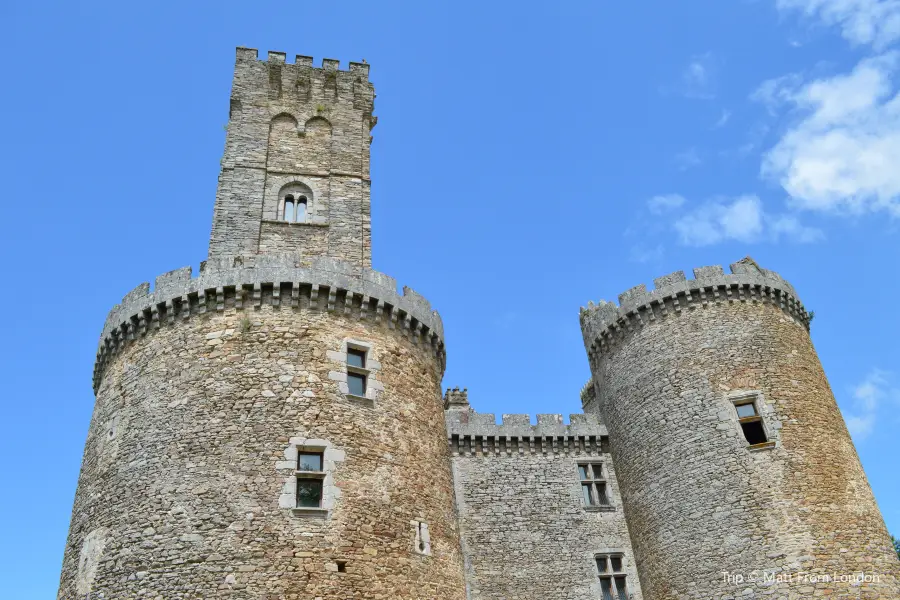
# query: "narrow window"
{"points": [[593, 485], [310, 479], [288, 213], [751, 422], [301, 209], [611, 570], [357, 373]]}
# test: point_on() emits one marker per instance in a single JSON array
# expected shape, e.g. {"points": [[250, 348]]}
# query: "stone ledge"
{"points": [[245, 282], [603, 323]]}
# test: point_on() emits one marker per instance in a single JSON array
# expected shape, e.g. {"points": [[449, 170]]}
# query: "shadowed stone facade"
{"points": [[272, 427]]}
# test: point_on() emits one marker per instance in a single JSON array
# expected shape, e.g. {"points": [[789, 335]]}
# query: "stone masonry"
{"points": [[273, 428], [669, 367]]}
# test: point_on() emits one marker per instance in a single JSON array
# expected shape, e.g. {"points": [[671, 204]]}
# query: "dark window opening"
{"points": [[612, 577], [356, 384], [593, 484], [309, 493], [341, 565], [751, 422], [754, 432]]}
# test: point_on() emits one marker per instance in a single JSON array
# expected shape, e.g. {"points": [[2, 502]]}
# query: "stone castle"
{"points": [[274, 427]]}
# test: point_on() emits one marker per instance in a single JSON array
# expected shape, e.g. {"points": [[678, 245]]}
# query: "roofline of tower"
{"points": [[602, 323], [319, 284]]}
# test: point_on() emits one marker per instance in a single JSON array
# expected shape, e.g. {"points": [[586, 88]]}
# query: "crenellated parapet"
{"points": [[478, 434], [301, 80], [286, 281], [604, 324]]}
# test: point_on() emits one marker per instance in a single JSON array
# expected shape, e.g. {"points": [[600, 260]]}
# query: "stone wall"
{"points": [[292, 122], [188, 481], [526, 534], [705, 509]]}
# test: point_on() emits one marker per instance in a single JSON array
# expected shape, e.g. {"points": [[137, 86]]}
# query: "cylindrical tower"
{"points": [[267, 431], [273, 428], [737, 473]]}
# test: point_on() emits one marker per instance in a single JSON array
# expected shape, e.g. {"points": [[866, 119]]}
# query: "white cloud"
{"points": [[741, 219], [868, 397], [842, 154], [875, 22], [664, 203]]}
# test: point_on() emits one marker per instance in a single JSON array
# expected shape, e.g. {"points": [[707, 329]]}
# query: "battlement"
{"points": [[456, 399], [472, 433], [360, 69], [284, 280], [604, 322]]}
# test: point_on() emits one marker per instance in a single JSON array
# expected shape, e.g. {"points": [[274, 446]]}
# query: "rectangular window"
{"points": [[357, 373], [357, 384], [356, 358], [310, 478], [309, 493], [751, 422], [611, 570], [593, 485], [309, 461]]}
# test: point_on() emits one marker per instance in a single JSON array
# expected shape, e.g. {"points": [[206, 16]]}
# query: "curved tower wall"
{"points": [[707, 512], [207, 387]]}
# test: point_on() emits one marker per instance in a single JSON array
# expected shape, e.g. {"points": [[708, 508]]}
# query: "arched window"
{"points": [[301, 209], [287, 214], [294, 203]]}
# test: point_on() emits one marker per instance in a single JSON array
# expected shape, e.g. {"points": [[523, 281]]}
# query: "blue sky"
{"points": [[528, 158]]}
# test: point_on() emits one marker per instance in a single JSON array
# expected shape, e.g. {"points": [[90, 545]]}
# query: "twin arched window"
{"points": [[294, 209], [293, 203]]}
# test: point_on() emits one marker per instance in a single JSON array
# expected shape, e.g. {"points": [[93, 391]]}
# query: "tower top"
{"points": [[295, 172]]}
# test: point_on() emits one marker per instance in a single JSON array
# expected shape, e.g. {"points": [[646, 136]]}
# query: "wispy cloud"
{"points": [[867, 402], [665, 203], [723, 119], [687, 159], [842, 154], [741, 219], [697, 79], [862, 22]]}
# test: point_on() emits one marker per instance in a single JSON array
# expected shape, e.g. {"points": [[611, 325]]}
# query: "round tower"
{"points": [[737, 473], [273, 428]]}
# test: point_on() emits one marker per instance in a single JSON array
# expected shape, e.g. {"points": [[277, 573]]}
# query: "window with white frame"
{"points": [[594, 489], [310, 478], [357, 373], [611, 571]]}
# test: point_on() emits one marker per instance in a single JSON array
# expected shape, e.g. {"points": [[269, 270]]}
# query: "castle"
{"points": [[274, 428]]}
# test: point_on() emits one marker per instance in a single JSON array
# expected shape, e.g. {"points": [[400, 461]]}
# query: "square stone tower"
{"points": [[295, 173]]}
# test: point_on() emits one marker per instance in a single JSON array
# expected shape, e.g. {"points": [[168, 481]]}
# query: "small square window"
{"points": [[309, 493], [583, 472], [356, 358], [309, 461], [602, 564], [615, 563], [356, 384], [597, 468]]}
